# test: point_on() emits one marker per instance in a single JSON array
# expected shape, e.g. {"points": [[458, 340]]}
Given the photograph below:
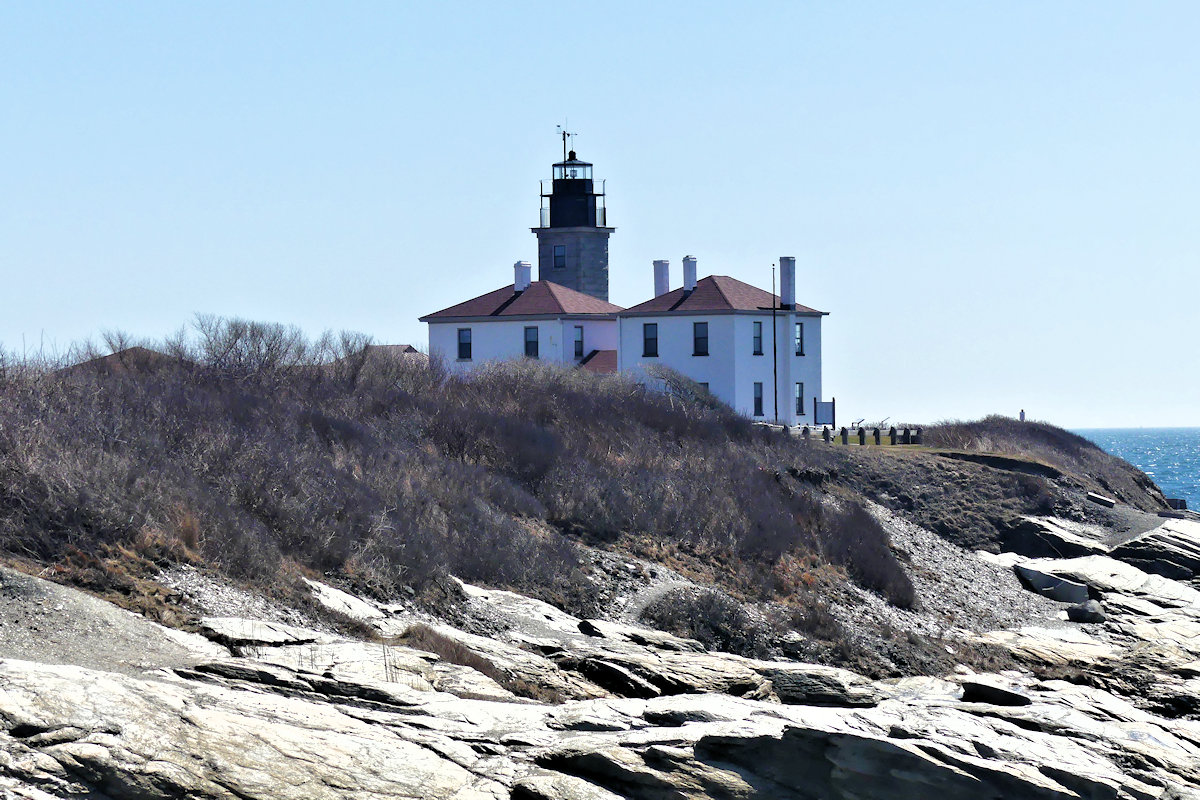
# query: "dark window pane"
{"points": [[699, 338], [799, 338], [531, 342], [464, 344], [758, 351], [650, 339], [758, 399], [800, 399], [579, 341], [560, 256]]}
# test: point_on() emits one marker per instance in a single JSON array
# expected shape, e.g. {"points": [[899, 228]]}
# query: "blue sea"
{"points": [[1170, 456]]}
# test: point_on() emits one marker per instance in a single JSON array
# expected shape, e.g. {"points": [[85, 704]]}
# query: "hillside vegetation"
{"points": [[261, 455]]}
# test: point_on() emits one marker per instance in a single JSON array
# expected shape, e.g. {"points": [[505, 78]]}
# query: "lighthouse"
{"points": [[573, 233]]}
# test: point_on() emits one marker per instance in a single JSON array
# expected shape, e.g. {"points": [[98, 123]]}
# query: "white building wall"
{"points": [[808, 367], [598, 334], [499, 340], [731, 368], [675, 350], [751, 368], [795, 369]]}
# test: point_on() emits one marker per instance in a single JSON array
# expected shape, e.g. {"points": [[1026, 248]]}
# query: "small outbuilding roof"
{"points": [[542, 298], [601, 362], [716, 293], [136, 360]]}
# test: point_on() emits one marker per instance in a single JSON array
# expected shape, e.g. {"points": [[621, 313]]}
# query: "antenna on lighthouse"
{"points": [[562, 131]]}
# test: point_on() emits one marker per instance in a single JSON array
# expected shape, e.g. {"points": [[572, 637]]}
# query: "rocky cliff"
{"points": [[259, 701]]}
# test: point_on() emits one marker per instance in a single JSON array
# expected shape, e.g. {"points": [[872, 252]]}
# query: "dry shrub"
{"points": [[852, 538], [249, 446], [714, 619]]}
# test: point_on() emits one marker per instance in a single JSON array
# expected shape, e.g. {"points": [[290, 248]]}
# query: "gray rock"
{"points": [[239, 632], [1107, 575], [322, 720], [268, 727], [813, 684], [1171, 550], [1049, 585], [43, 621], [1090, 611], [1051, 537], [990, 691], [156, 740], [559, 787]]}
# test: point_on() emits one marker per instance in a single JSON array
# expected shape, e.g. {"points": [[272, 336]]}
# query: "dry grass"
{"points": [[1065, 451]]}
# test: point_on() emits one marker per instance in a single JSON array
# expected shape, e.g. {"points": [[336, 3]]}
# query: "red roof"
{"points": [[542, 298], [714, 293], [601, 362]]}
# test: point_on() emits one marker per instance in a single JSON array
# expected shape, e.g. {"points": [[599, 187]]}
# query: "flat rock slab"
{"points": [[814, 684], [1060, 646], [344, 603], [55, 624], [1171, 550], [1051, 585], [157, 740], [239, 632], [1110, 575], [1051, 537], [358, 661]]}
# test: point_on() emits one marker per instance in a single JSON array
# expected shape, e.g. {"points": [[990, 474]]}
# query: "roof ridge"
{"points": [[552, 289], [721, 291], [567, 292]]}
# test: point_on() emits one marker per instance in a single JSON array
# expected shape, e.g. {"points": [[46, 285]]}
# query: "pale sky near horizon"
{"points": [[998, 203]]}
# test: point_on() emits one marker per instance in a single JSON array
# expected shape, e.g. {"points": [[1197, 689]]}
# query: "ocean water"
{"points": [[1170, 456]]}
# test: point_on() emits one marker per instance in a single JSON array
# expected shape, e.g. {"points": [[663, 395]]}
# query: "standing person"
{"points": [[1022, 415]]}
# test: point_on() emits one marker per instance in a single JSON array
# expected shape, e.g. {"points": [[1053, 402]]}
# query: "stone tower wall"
{"points": [[586, 267]]}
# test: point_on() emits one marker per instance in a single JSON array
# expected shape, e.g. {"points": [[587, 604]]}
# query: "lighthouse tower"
{"points": [[572, 236]]}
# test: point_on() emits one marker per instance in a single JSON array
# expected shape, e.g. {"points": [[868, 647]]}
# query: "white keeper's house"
{"points": [[755, 350], [758, 352], [529, 319]]}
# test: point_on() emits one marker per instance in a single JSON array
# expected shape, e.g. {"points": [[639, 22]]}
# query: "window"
{"points": [[799, 338], [650, 340], [758, 338], [579, 341], [758, 405], [464, 344], [704, 385], [699, 338], [560, 256], [531, 341], [799, 399]]}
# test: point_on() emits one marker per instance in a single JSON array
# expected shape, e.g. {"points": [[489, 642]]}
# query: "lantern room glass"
{"points": [[573, 170]]}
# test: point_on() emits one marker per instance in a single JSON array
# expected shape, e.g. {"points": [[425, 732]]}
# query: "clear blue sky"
{"points": [[998, 203]]}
